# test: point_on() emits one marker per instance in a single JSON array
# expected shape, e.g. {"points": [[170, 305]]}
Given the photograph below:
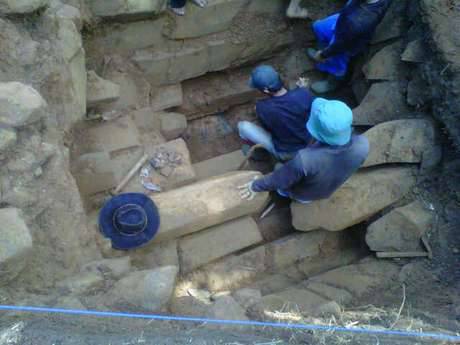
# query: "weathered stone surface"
{"points": [[20, 105], [203, 204], [100, 91], [85, 282], [418, 91], [296, 300], [217, 92], [156, 255], [112, 136], [93, 173], [114, 268], [148, 290], [363, 195], [15, 244], [360, 279], [69, 12], [272, 283], [21, 6], [172, 125], [341, 296], [147, 120], [276, 224], [189, 306], [384, 102], [247, 297], [126, 7], [386, 64], [401, 229], [167, 96], [288, 250], [215, 242], [215, 17], [69, 302], [226, 308], [414, 52], [8, 138], [400, 141], [219, 165], [232, 271], [393, 24]]}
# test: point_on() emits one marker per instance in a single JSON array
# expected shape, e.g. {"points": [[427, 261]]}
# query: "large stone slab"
{"points": [[93, 173], [286, 251], [100, 91], [215, 242], [216, 93], [401, 229], [386, 64], [8, 138], [21, 6], [384, 101], [414, 52], [215, 17], [148, 290], [20, 105], [126, 8], [363, 195], [219, 165], [204, 204], [394, 24], [15, 244], [400, 141], [173, 125]]}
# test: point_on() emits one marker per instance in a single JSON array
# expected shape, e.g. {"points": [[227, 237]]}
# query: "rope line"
{"points": [[438, 336]]}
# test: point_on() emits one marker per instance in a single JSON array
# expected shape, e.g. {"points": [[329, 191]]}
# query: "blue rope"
{"points": [[438, 336]]}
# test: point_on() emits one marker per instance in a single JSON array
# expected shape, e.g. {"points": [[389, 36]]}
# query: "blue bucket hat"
{"points": [[130, 220], [330, 122], [265, 77]]}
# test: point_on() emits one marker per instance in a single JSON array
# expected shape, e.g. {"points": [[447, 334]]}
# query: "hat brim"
{"points": [[119, 240]]}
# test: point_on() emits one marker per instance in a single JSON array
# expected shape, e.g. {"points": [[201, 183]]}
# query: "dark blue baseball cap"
{"points": [[265, 77], [129, 220]]}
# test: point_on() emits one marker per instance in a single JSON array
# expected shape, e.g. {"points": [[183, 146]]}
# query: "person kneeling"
{"points": [[319, 170]]}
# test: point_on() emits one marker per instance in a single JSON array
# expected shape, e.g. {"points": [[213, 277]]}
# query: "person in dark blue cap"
{"points": [[129, 220], [319, 170], [283, 115], [342, 36]]}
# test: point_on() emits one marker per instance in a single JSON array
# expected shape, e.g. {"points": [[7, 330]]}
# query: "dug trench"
{"points": [[105, 85]]}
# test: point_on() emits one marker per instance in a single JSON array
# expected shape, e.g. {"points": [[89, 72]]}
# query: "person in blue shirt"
{"points": [[319, 170], [283, 115], [178, 6], [342, 36]]}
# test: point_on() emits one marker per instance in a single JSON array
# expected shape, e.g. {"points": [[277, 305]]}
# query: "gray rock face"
{"points": [[15, 244], [126, 7], [386, 64], [7, 138], [21, 6], [100, 91], [384, 102], [414, 52], [172, 125], [401, 229], [20, 105], [400, 141], [148, 290], [226, 308], [363, 195]]}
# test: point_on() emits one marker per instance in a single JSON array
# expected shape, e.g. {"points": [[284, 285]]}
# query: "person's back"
{"points": [[326, 167], [285, 117]]}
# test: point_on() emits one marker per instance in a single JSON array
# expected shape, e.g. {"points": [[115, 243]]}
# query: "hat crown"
{"points": [[265, 77], [130, 219]]}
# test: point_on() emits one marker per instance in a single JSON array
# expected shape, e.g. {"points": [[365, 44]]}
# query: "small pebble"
{"points": [[38, 172]]}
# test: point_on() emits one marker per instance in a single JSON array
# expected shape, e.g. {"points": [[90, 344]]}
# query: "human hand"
{"points": [[303, 82], [246, 192]]}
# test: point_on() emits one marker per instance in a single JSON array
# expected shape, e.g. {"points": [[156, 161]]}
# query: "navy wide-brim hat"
{"points": [[129, 220]]}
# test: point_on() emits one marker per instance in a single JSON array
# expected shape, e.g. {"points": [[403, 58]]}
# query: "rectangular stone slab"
{"points": [[219, 165], [363, 195], [215, 242], [204, 204]]}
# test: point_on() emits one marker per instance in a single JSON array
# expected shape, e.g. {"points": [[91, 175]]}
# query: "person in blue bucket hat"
{"points": [[282, 115], [129, 220], [342, 36], [317, 171]]}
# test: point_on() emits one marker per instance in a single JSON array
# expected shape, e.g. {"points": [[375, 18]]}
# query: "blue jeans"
{"points": [[177, 3], [256, 134]]}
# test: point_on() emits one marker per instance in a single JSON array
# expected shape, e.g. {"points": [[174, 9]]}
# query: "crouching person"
{"points": [[319, 170]]}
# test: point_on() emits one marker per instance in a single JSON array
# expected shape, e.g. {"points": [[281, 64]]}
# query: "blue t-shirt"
{"points": [[317, 171], [285, 117]]}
